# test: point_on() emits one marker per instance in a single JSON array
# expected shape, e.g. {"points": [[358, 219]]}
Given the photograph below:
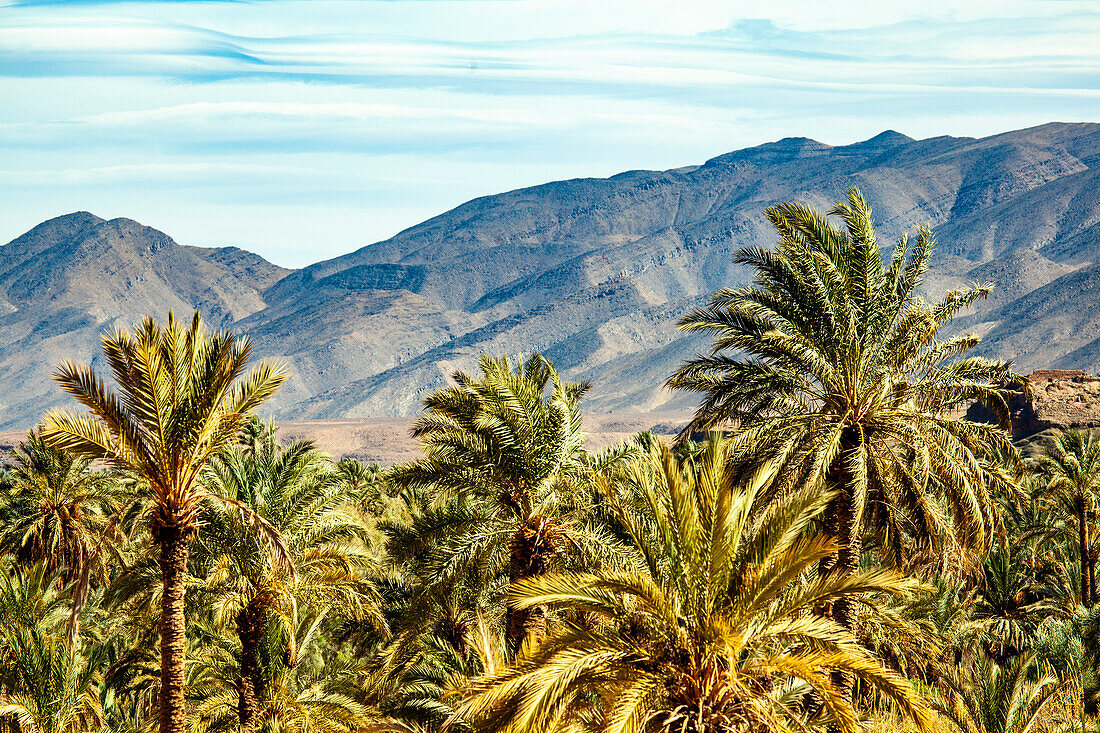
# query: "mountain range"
{"points": [[592, 272]]}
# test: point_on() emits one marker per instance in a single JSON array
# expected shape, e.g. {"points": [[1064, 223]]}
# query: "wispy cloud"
{"points": [[1046, 53], [161, 103], [243, 128]]}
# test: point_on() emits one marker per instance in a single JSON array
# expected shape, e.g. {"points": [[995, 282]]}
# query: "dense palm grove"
{"points": [[828, 545]]}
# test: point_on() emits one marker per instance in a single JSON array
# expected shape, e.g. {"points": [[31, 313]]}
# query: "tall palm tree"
{"points": [[504, 484], [180, 395], [712, 632], [55, 509], [1071, 468], [833, 366], [300, 496], [987, 697]]}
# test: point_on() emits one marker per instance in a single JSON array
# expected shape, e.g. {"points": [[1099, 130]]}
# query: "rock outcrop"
{"points": [[1060, 399]]}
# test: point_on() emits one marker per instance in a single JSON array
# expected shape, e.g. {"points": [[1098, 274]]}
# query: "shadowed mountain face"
{"points": [[593, 272]]}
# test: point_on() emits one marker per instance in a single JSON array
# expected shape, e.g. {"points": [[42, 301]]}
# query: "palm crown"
{"points": [[55, 508], [1071, 470], [994, 698], [504, 461], [834, 368], [180, 395], [713, 630]]}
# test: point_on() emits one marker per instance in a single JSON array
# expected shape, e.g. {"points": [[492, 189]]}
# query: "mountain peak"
{"points": [[144, 237], [795, 143], [67, 279], [888, 137], [66, 226], [780, 151], [76, 217], [885, 140]]}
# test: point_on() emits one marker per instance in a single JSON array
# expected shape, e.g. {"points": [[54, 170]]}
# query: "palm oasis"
{"points": [[828, 545]]}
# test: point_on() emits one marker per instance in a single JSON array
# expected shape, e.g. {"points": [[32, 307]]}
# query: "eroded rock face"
{"points": [[1062, 398]]}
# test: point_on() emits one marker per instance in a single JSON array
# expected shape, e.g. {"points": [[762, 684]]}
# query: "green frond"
{"points": [[832, 368], [726, 602]]}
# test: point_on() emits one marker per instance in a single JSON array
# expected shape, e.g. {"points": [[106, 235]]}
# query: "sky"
{"points": [[304, 129]]}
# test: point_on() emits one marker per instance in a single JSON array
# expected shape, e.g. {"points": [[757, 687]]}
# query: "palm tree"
{"points": [[47, 684], [987, 697], [367, 482], [924, 633], [54, 508], [427, 675], [1011, 602], [833, 367], [1071, 468], [310, 693], [504, 484], [180, 395], [1071, 648], [712, 632], [31, 596], [317, 559], [49, 687]]}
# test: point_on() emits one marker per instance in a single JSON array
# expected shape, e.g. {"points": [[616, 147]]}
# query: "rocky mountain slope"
{"points": [[594, 272], [67, 280]]}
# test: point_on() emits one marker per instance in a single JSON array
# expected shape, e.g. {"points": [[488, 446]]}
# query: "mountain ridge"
{"points": [[592, 271]]}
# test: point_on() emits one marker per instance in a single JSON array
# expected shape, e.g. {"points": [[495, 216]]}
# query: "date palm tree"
{"points": [[31, 596], [833, 366], [312, 693], [1071, 648], [1071, 470], [47, 684], [180, 395], [713, 631], [502, 491], [55, 509], [317, 559], [987, 697], [1012, 602]]}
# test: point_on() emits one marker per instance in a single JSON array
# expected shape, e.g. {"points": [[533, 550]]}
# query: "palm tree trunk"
{"points": [[846, 526], [531, 554], [525, 622], [841, 522], [251, 624], [1092, 573], [826, 565], [1083, 542], [847, 556], [173, 631]]}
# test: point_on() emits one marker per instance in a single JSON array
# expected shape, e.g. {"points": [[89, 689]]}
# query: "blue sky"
{"points": [[302, 130]]}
